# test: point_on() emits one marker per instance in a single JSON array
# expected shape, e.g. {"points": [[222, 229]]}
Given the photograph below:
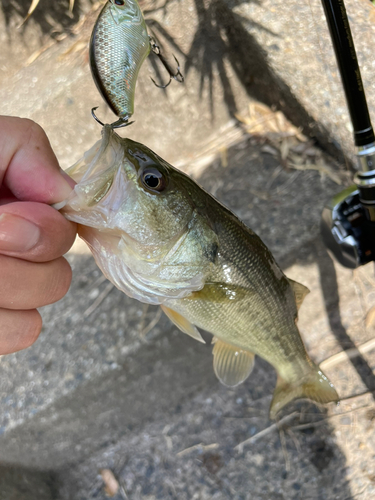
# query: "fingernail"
{"points": [[17, 234]]}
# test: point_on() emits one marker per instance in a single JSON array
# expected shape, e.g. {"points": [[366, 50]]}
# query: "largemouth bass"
{"points": [[160, 238]]}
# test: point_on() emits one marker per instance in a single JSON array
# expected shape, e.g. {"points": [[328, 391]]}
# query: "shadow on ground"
{"points": [[18, 483], [53, 18], [221, 39]]}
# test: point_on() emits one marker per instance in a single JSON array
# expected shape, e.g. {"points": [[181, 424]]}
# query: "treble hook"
{"points": [[121, 122], [177, 75]]}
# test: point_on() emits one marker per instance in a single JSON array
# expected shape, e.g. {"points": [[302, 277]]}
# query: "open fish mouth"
{"points": [[107, 180]]}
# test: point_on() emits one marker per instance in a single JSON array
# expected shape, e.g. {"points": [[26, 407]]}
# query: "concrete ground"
{"points": [[112, 385]]}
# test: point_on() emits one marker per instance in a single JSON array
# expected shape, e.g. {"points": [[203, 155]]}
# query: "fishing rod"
{"points": [[348, 221]]}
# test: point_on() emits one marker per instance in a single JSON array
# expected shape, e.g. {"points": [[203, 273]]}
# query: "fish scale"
{"points": [[242, 316]]}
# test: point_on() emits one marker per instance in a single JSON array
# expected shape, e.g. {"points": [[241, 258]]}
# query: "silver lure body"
{"points": [[119, 45]]}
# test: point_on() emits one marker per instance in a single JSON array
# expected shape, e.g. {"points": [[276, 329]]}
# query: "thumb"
{"points": [[28, 166]]}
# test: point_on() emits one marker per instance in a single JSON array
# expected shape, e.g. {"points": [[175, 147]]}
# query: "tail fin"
{"points": [[315, 386]]}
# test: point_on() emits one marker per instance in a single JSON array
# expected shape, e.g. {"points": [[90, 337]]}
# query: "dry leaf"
{"points": [[281, 120], [243, 119], [321, 167], [32, 7], [370, 317], [284, 149], [269, 149], [224, 156], [111, 485], [262, 195]]}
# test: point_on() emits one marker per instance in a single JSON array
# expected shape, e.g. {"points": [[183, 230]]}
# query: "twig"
{"points": [[285, 451], [98, 300], [348, 354], [354, 396], [123, 490], [32, 7], [266, 431], [154, 322], [322, 420], [322, 169], [294, 439], [200, 446], [143, 318], [99, 281], [284, 186]]}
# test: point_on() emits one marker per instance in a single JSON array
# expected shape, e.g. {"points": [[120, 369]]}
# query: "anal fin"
{"points": [[182, 323], [315, 386], [232, 365]]}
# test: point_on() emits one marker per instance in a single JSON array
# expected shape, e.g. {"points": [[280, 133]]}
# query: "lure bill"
{"points": [[119, 45], [160, 238]]}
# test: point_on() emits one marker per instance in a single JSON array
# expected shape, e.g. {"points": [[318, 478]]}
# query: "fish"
{"points": [[118, 47], [162, 239]]}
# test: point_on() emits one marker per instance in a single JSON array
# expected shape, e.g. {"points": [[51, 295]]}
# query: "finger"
{"points": [[6, 195], [18, 329], [28, 285], [28, 166], [34, 231]]}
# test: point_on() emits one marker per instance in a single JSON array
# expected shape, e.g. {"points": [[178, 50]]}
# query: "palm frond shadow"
{"points": [[223, 38], [157, 29], [52, 18]]}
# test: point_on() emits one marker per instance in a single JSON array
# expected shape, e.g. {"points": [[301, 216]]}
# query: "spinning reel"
{"points": [[348, 221]]}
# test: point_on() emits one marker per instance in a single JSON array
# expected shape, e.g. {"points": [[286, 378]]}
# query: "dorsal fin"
{"points": [[300, 291], [182, 323], [232, 365]]}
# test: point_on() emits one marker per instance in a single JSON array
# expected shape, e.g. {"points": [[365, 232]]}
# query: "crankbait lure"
{"points": [[119, 45]]}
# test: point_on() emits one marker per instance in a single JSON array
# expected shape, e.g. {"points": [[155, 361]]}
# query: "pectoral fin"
{"points": [[232, 365], [182, 323], [314, 386], [220, 293], [300, 291]]}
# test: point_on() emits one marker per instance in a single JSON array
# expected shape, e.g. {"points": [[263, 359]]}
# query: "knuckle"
{"points": [[32, 133], [33, 130]]}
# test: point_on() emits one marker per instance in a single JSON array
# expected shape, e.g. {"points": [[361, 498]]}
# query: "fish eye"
{"points": [[119, 2], [153, 179]]}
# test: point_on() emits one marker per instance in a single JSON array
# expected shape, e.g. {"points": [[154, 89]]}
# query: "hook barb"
{"points": [[95, 117], [161, 86]]}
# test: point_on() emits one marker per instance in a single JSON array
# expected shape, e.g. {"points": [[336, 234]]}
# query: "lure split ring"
{"points": [[121, 122]]}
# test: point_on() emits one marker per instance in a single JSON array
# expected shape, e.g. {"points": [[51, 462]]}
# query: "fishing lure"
{"points": [[119, 45]]}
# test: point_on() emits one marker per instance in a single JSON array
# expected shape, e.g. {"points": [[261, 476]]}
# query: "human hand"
{"points": [[33, 235]]}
